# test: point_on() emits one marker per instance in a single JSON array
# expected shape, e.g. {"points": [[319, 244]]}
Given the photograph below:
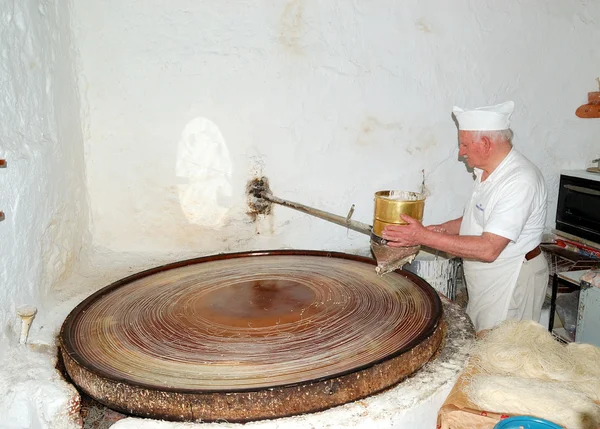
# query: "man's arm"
{"points": [[485, 247], [451, 227]]}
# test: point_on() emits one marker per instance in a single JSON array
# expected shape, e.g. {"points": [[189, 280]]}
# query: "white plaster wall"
{"points": [[332, 101], [42, 188], [42, 192]]}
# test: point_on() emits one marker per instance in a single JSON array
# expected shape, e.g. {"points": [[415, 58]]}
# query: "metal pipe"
{"points": [[340, 220]]}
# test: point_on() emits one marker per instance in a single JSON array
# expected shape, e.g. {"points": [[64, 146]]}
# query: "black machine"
{"points": [[578, 210]]}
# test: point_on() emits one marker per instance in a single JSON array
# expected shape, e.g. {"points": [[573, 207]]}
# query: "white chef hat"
{"points": [[489, 118]]}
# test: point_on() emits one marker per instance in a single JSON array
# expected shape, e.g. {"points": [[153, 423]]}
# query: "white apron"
{"points": [[490, 285]]}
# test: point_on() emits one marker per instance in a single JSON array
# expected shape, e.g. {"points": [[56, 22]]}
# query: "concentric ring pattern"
{"points": [[249, 323]]}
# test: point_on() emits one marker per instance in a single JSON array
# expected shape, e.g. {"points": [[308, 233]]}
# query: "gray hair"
{"points": [[495, 136]]}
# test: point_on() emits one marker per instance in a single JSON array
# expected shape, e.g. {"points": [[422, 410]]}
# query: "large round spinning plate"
{"points": [[240, 336]]}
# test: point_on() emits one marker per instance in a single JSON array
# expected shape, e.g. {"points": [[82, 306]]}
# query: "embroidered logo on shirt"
{"points": [[479, 207]]}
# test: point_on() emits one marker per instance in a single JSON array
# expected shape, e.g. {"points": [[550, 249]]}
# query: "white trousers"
{"points": [[530, 291]]}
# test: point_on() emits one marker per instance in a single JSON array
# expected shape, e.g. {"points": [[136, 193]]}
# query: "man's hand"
{"points": [[410, 234]]}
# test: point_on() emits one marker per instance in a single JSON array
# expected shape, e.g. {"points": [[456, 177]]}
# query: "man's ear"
{"points": [[487, 143]]}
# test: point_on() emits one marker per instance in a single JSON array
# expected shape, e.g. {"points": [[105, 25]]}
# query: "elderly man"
{"points": [[499, 234]]}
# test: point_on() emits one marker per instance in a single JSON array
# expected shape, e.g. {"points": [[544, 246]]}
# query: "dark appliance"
{"points": [[578, 210]]}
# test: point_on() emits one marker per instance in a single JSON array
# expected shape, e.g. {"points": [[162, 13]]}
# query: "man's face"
{"points": [[471, 148]]}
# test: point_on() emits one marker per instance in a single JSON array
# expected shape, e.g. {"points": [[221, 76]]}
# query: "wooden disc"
{"points": [[240, 325]]}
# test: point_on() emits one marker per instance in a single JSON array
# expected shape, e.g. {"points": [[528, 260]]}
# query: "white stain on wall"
{"points": [[204, 163]]}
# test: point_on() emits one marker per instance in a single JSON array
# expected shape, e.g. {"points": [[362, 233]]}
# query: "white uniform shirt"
{"points": [[511, 203]]}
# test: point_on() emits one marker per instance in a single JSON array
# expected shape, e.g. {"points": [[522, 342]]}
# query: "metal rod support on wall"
{"points": [[340, 220]]}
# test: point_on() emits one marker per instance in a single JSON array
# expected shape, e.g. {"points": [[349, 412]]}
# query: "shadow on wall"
{"points": [[204, 166]]}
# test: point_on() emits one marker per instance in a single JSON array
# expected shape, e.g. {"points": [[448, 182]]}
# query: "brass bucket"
{"points": [[389, 205]]}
